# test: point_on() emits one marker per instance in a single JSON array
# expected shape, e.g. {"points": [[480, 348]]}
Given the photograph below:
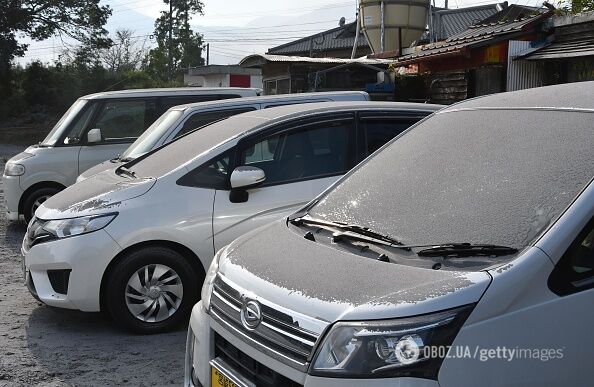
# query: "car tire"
{"points": [[35, 199], [152, 290]]}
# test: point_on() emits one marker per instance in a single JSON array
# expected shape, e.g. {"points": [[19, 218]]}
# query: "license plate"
{"points": [[218, 379]]}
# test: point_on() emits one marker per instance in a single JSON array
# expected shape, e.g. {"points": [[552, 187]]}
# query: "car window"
{"points": [[123, 119], [213, 174], [169, 102], [80, 124], [575, 270], [380, 131], [309, 152], [201, 119]]}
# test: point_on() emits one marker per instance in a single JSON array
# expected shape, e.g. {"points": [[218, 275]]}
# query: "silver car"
{"points": [[460, 254]]}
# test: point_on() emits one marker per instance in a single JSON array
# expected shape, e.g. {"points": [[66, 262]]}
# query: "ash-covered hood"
{"points": [[280, 266], [104, 166], [99, 194]]}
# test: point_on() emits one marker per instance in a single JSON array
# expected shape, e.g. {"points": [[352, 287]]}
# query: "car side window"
{"points": [[123, 120], [308, 152], [575, 271], [79, 126], [213, 174], [378, 131], [201, 119]]}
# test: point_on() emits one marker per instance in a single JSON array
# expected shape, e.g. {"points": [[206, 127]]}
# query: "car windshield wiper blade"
{"points": [[351, 231], [125, 171], [465, 250]]}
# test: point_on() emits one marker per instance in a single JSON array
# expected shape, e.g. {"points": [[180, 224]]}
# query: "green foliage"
{"points": [[186, 45], [575, 6], [82, 20]]}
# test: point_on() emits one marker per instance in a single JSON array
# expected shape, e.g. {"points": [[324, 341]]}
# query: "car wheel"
{"points": [[36, 199], [152, 290]]}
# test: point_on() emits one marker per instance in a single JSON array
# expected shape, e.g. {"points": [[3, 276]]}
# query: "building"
{"points": [[474, 62], [334, 43], [450, 22], [223, 76], [296, 74], [568, 55]]}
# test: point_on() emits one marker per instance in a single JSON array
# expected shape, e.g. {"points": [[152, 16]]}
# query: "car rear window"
{"points": [[491, 176]]}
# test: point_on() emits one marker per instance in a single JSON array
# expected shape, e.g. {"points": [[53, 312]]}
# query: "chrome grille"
{"points": [[279, 335]]}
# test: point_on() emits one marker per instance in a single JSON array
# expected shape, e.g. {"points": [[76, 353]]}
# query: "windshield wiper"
{"points": [[465, 250], [125, 171], [350, 231]]}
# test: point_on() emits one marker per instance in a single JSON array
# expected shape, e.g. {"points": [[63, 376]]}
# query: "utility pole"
{"points": [[207, 53], [170, 40]]}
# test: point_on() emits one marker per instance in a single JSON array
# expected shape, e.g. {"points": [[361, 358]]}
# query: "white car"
{"points": [[460, 255], [97, 127], [180, 120], [136, 241]]}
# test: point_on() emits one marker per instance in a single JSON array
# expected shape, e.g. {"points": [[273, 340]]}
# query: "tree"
{"points": [[82, 20], [125, 54], [575, 6], [186, 45]]}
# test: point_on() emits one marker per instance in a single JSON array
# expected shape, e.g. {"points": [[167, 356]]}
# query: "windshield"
{"points": [[58, 130], [147, 141], [482, 177]]}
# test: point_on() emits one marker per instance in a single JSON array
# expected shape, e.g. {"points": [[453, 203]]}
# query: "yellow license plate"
{"points": [[218, 379]]}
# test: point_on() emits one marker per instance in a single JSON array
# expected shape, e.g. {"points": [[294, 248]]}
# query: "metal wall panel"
{"points": [[522, 74]]}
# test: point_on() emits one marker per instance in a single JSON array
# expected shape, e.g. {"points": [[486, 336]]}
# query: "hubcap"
{"points": [[39, 202], [154, 293]]}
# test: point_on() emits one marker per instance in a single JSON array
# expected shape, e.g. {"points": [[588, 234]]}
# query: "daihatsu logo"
{"points": [[251, 314]]}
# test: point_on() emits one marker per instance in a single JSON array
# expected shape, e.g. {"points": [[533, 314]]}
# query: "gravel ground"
{"points": [[45, 346]]}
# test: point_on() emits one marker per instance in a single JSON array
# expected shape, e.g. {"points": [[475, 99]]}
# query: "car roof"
{"points": [[572, 96], [173, 91], [201, 142], [245, 123], [274, 98]]}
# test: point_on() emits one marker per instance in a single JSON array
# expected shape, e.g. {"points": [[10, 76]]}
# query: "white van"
{"points": [[95, 128], [136, 241], [459, 255], [180, 120]]}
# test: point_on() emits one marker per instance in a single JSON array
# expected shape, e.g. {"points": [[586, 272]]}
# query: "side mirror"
{"points": [[243, 178], [94, 135], [247, 177]]}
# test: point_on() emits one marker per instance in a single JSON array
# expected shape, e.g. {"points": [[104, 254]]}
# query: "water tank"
{"points": [[408, 17]]}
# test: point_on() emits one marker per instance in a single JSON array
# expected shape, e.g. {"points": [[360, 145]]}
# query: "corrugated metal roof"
{"points": [[449, 22], [474, 36], [571, 41], [255, 59], [334, 39]]}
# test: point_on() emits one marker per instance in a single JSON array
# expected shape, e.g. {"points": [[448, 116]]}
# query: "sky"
{"points": [[233, 28]]}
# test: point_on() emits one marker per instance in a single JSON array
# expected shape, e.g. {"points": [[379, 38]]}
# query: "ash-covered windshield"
{"points": [[487, 177]]}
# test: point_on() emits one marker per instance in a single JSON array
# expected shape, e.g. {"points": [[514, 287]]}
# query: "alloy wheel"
{"points": [[154, 293]]}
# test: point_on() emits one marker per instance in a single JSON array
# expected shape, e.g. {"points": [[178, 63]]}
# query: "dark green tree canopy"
{"points": [[186, 45], [82, 20]]}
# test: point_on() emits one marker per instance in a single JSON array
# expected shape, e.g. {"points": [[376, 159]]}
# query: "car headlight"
{"points": [[209, 280], [389, 348], [12, 169], [64, 228]]}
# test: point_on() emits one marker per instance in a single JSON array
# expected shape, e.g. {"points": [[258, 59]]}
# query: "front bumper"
{"points": [[85, 256], [200, 354], [12, 196]]}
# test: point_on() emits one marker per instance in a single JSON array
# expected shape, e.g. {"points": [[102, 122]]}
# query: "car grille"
{"points": [[279, 335], [35, 234], [252, 370]]}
